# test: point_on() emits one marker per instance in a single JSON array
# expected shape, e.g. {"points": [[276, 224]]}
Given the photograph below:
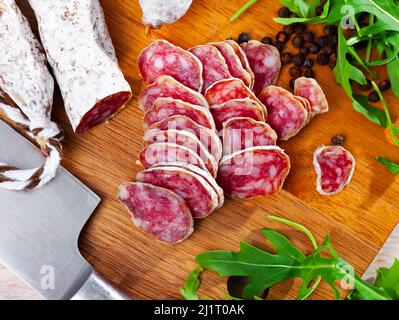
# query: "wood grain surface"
{"points": [[359, 219]]}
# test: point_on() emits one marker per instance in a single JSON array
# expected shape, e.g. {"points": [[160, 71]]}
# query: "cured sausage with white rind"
{"points": [[309, 89]]}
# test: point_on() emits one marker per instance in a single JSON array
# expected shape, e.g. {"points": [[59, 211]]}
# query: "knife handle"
{"points": [[98, 288]]}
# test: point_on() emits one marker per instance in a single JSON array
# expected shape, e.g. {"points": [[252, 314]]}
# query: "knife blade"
{"points": [[39, 229]]}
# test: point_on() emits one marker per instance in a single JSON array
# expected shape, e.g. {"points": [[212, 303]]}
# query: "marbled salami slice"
{"points": [[168, 87], [163, 58], [214, 65], [228, 89], [200, 197], [234, 64], [242, 133], [286, 115], [265, 63], [169, 152], [243, 58], [207, 136], [167, 107], [256, 171], [160, 212], [237, 108], [334, 166], [309, 89], [185, 139], [82, 56], [306, 104]]}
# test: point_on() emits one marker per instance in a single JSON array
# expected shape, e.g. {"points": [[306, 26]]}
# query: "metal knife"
{"points": [[39, 230]]}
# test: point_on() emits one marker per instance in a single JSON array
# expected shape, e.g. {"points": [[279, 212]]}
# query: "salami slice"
{"points": [[228, 89], [185, 139], [237, 108], [214, 65], [286, 115], [166, 107], [207, 136], [243, 58], [163, 58], [309, 88], [242, 133], [168, 87], [156, 13], [256, 171], [334, 166], [26, 97], [306, 104], [160, 212], [169, 152], [265, 63], [82, 56], [200, 197], [234, 64], [202, 173]]}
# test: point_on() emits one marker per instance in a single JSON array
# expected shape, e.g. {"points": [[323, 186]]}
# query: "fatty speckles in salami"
{"points": [[83, 60], [158, 211], [256, 171], [162, 58], [334, 166]]}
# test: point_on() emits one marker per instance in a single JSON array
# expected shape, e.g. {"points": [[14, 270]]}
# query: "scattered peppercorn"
{"points": [[286, 58], [297, 41], [314, 48], [304, 51], [332, 64], [267, 40], [328, 49], [309, 73], [299, 27], [330, 30], [279, 45], [308, 36], [323, 59], [319, 10], [334, 40], [282, 37], [244, 37], [338, 140], [292, 83], [289, 29], [308, 63], [294, 72], [367, 86], [385, 85], [298, 59], [284, 12], [322, 41], [373, 96]]}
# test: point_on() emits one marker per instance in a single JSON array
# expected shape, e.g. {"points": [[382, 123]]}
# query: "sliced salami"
{"points": [[168, 87], [214, 65], [202, 173], [306, 104], [237, 108], [256, 171], [169, 152], [234, 63], [163, 58], [243, 58], [334, 166], [264, 61], [207, 136], [242, 133], [286, 115], [82, 56], [167, 107], [228, 89], [200, 197], [160, 212], [309, 89], [185, 139]]}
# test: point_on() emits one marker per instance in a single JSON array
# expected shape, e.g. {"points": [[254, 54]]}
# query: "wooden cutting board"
{"points": [[359, 219]]}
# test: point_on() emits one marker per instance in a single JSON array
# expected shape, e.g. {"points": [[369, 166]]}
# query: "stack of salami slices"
{"points": [[193, 101]]}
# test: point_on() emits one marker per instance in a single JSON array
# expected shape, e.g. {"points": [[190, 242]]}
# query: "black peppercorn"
{"points": [[308, 63], [373, 96], [338, 140], [367, 86], [267, 40], [304, 50], [319, 10], [299, 27], [288, 29], [308, 36], [284, 12], [332, 64], [385, 85], [334, 40], [298, 59], [322, 41], [323, 59], [243, 37], [328, 50], [292, 83], [294, 72], [330, 30], [309, 73], [279, 45], [297, 41], [314, 48], [282, 37], [286, 58]]}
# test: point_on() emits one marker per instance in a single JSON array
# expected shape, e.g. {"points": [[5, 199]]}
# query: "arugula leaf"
{"points": [[376, 115], [310, 18], [244, 8], [388, 278], [390, 165], [301, 7], [191, 286], [393, 70]]}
